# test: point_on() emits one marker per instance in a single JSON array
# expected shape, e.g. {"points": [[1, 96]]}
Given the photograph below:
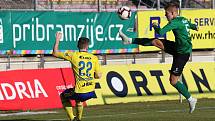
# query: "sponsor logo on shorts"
{"points": [[176, 70]]}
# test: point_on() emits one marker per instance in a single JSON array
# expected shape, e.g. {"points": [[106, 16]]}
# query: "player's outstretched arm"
{"points": [[55, 49], [165, 29]]}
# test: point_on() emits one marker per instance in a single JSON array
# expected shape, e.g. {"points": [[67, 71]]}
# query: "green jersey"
{"points": [[181, 30]]}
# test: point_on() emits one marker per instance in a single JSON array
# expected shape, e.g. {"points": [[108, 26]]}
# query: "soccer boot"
{"points": [[76, 119], [192, 104], [125, 39]]}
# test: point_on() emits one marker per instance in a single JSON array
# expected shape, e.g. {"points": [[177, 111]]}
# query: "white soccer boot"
{"points": [[192, 104], [125, 39]]}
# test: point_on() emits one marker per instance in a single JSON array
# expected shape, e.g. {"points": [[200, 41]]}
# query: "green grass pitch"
{"points": [[142, 111]]}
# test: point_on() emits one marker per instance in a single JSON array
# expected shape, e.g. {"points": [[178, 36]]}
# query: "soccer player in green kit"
{"points": [[180, 49]]}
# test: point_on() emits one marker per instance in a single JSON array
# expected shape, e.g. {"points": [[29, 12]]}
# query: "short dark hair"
{"points": [[82, 42], [171, 6]]}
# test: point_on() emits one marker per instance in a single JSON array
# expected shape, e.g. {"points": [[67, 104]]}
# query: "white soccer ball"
{"points": [[124, 12]]}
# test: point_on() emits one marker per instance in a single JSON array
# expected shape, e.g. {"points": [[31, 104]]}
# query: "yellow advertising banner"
{"points": [[150, 82], [205, 19]]}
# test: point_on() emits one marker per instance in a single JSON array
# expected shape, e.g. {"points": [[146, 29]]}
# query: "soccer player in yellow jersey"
{"points": [[86, 69]]}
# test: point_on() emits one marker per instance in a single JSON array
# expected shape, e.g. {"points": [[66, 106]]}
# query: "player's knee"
{"points": [[78, 103], [154, 41], [173, 80], [158, 43], [63, 99], [61, 96]]}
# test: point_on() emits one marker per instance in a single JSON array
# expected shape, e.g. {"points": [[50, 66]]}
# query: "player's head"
{"points": [[83, 43], [171, 10]]}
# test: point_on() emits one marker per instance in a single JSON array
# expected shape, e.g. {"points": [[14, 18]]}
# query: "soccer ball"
{"points": [[124, 12]]}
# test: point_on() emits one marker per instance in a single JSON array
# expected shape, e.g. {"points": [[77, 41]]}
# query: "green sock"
{"points": [[182, 89]]}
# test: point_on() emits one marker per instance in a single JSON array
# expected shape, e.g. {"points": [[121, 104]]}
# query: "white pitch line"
{"points": [[26, 113], [200, 108]]}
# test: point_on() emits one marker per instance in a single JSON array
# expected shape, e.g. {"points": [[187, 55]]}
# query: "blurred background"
{"points": [[99, 5]]}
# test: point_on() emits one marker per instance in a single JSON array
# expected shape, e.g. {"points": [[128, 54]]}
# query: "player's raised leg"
{"points": [[141, 41]]}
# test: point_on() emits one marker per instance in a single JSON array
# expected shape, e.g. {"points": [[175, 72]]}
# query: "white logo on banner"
{"points": [[1, 32], [22, 90]]}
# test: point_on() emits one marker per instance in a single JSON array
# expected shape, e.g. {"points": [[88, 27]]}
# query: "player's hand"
{"points": [[197, 28], [9, 52], [154, 24], [58, 36]]}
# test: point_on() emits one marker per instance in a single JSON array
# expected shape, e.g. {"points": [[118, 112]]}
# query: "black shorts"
{"points": [[72, 95], [179, 61]]}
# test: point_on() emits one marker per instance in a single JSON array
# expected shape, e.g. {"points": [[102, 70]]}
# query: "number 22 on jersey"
{"points": [[85, 68]]}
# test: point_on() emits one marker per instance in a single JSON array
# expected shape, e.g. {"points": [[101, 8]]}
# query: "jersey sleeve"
{"points": [[170, 26], [192, 26], [66, 55], [97, 65]]}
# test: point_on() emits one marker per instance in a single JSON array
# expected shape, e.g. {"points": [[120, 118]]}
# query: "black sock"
{"points": [[142, 41]]}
